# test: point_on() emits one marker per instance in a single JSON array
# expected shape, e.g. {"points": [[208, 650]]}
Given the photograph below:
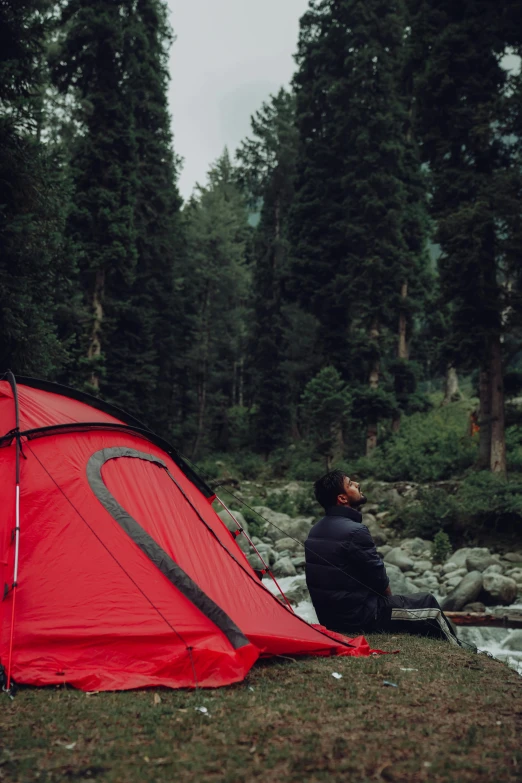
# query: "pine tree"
{"points": [[358, 238], [267, 171], [154, 322], [217, 284], [460, 94], [92, 62], [32, 264]]}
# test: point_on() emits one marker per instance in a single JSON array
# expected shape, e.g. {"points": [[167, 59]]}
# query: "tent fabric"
{"points": [[127, 576]]}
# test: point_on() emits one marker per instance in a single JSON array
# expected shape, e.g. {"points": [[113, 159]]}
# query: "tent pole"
{"points": [[258, 553], [12, 382]]}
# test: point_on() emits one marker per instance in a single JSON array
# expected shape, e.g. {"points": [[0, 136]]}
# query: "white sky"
{"points": [[228, 57]]}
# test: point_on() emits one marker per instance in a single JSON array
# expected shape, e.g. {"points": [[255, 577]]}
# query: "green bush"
{"points": [[441, 547], [482, 502], [429, 447]]}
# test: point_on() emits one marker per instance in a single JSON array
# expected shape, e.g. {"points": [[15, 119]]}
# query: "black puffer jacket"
{"points": [[345, 575]]}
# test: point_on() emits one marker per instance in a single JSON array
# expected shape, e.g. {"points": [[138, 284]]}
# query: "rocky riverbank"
{"points": [[469, 579]]}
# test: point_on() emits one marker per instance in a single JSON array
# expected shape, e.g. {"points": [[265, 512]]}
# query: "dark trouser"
{"points": [[418, 614]]}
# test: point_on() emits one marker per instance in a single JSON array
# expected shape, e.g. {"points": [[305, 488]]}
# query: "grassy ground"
{"points": [[458, 717]]}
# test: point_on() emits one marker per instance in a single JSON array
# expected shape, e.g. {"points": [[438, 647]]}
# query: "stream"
{"points": [[485, 639]]}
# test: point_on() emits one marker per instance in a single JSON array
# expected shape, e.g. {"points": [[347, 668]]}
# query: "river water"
{"points": [[484, 639]]}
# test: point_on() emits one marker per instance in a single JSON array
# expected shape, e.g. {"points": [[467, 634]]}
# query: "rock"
{"points": [[516, 574], [479, 560], [377, 533], [459, 557], [513, 557], [453, 581], [284, 567], [298, 591], [513, 641], [267, 553], [415, 546], [369, 519], [449, 566], [255, 562], [495, 568], [292, 487], [400, 585], [476, 606], [256, 540], [287, 543], [500, 589], [460, 572], [397, 557], [229, 522], [282, 554], [384, 549], [422, 565], [299, 563], [282, 525], [382, 515], [466, 592]]}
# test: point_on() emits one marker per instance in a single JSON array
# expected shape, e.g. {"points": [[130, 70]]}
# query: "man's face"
{"points": [[352, 495]]}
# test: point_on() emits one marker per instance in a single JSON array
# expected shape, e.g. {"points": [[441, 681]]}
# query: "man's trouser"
{"points": [[418, 614]]}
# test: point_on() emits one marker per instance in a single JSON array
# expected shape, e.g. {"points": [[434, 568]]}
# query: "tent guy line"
{"points": [[298, 541]]}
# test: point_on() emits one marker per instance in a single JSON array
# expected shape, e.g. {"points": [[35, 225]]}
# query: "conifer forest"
{"points": [[352, 269]]}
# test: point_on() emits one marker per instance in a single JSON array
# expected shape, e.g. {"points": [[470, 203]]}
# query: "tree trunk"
{"points": [[498, 435], [484, 455], [202, 383], [94, 349], [402, 348], [372, 422], [241, 382], [451, 386]]}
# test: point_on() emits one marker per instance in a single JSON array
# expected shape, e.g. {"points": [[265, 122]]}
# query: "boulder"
{"points": [[480, 559], [420, 566], [459, 557], [516, 574], [282, 525], [459, 572], [495, 568], [384, 549], [466, 592], [415, 546], [284, 567], [453, 581], [513, 557], [500, 589], [229, 522], [449, 566], [399, 558], [476, 606], [400, 585], [255, 562], [299, 563], [377, 533], [298, 591], [513, 641], [287, 543]]}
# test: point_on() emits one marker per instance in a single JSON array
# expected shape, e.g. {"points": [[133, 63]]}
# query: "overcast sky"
{"points": [[228, 57]]}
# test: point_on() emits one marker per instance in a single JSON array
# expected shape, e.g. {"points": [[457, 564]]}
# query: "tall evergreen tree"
{"points": [[460, 91], [358, 241], [218, 284], [92, 61], [267, 170], [32, 264], [153, 323]]}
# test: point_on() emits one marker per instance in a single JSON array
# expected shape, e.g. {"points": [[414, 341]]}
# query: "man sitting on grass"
{"points": [[347, 580]]}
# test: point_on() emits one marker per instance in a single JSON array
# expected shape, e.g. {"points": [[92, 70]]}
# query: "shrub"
{"points": [[441, 547], [482, 502], [429, 447]]}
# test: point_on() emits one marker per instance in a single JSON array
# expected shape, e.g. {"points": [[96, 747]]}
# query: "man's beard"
{"points": [[359, 503]]}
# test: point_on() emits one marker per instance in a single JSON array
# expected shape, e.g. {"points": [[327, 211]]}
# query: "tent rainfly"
{"points": [[115, 570]]}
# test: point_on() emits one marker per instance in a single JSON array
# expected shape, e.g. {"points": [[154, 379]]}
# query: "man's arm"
{"points": [[375, 576]]}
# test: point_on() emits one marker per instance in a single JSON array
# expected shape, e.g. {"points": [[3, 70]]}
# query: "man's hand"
{"points": [[388, 591]]}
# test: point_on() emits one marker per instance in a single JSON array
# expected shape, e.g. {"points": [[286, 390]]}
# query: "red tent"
{"points": [[115, 570]]}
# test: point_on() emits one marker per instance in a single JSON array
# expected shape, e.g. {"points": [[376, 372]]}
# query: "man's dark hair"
{"points": [[328, 487]]}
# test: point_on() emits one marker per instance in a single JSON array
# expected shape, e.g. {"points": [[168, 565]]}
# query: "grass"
{"points": [[457, 718]]}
